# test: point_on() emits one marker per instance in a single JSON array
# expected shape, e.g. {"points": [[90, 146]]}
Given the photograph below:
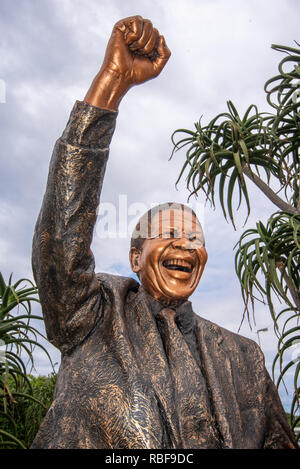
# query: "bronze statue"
{"points": [[139, 368]]}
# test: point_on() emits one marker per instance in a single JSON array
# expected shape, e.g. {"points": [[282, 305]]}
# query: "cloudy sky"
{"points": [[50, 51]]}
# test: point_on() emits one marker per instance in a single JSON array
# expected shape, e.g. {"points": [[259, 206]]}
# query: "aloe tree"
{"points": [[222, 159], [18, 338]]}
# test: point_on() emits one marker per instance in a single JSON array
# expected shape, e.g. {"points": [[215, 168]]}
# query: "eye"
{"points": [[167, 234], [196, 239]]}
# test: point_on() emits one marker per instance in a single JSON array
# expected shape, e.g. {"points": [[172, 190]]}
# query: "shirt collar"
{"points": [[185, 316]]}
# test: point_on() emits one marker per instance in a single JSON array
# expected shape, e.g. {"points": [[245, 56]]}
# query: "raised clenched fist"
{"points": [[135, 53]]}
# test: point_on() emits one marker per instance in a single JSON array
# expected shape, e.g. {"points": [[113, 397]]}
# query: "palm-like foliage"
{"points": [[221, 158], [19, 338], [273, 251]]}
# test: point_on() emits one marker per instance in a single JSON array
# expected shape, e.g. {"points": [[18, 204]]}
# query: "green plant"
{"points": [[28, 414], [34, 413], [221, 158], [19, 338]]}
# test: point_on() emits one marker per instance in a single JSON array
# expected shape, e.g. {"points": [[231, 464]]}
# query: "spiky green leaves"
{"points": [[283, 94], [267, 261], [19, 337], [218, 153], [262, 144]]}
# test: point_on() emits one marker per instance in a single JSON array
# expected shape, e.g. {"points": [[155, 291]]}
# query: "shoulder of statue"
{"points": [[117, 284], [228, 338]]}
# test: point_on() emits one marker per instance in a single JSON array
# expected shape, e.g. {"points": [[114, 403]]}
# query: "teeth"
{"points": [[182, 264], [178, 262]]}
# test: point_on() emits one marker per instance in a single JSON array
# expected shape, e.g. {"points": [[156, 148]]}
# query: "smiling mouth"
{"points": [[179, 265]]}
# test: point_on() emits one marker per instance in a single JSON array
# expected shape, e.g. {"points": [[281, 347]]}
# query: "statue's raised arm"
{"points": [[63, 263]]}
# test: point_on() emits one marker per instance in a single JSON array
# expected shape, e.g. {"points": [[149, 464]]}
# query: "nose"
{"points": [[182, 243]]}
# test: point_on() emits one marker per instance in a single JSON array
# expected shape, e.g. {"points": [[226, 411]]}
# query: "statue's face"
{"points": [[171, 262]]}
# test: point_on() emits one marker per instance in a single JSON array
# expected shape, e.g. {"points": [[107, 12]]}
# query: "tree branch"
{"points": [[269, 192], [293, 291]]}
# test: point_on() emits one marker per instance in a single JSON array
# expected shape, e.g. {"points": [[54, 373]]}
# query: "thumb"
{"points": [[163, 56]]}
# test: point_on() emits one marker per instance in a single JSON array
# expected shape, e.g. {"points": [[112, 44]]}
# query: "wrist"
{"points": [[107, 90]]}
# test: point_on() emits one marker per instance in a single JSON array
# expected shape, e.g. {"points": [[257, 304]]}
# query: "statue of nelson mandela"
{"points": [[139, 369]]}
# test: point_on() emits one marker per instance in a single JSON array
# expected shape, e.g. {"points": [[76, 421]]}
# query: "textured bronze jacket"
{"points": [[115, 387]]}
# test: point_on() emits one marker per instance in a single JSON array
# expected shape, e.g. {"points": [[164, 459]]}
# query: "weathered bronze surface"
{"points": [[139, 368]]}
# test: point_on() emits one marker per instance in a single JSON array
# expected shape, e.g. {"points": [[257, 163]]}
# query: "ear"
{"points": [[203, 259], [134, 259]]}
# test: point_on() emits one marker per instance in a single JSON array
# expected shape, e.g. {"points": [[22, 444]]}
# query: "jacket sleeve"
{"points": [[63, 264], [278, 434]]}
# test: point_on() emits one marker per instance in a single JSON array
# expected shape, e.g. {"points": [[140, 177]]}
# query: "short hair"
{"points": [[142, 229]]}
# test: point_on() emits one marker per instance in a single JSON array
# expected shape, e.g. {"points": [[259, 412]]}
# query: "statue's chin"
{"points": [[163, 292], [170, 301]]}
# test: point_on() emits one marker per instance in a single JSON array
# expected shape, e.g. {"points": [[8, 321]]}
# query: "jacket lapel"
{"points": [[150, 356]]}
